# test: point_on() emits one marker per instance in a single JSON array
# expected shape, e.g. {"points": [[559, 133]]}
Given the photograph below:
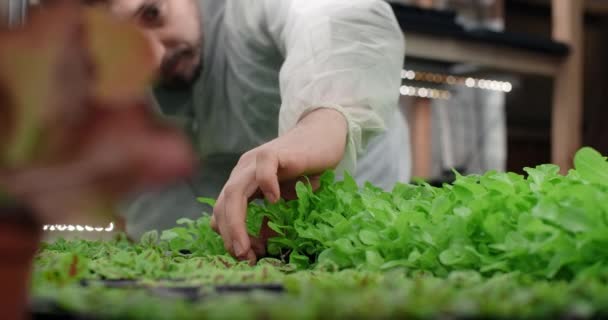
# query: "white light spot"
{"points": [[423, 92], [79, 228], [410, 75], [470, 82], [489, 84], [494, 85], [507, 87], [403, 74], [403, 90]]}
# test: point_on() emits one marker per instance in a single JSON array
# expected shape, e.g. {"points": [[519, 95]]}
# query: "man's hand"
{"points": [[270, 171]]}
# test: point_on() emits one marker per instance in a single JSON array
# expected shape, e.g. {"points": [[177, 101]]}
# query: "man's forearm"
{"points": [[320, 137]]}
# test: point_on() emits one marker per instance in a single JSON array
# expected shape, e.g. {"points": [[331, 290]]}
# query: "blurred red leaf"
{"points": [[123, 58], [44, 82]]}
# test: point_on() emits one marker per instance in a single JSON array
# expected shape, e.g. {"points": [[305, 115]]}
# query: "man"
{"points": [[271, 90]]}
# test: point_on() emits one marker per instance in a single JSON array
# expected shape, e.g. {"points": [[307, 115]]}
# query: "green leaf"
{"points": [[395, 264], [591, 166], [441, 205], [168, 235], [149, 238], [374, 259], [304, 193], [350, 185], [332, 256], [327, 179], [208, 201], [453, 256], [369, 238], [543, 173], [276, 228], [186, 221], [299, 260]]}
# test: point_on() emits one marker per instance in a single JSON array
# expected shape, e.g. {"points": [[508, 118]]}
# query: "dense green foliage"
{"points": [[545, 224], [499, 244]]}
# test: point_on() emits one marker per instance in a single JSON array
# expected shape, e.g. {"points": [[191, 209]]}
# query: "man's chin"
{"points": [[176, 84], [180, 82]]}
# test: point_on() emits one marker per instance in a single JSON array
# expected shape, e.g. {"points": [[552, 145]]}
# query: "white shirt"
{"points": [[269, 62]]}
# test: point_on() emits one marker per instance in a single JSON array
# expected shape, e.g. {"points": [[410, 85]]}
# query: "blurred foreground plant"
{"points": [[76, 130]]}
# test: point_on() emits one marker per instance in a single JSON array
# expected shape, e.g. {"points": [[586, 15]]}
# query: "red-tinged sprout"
{"points": [[73, 267]]}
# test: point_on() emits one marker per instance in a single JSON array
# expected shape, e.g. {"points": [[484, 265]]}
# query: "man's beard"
{"points": [[179, 81]]}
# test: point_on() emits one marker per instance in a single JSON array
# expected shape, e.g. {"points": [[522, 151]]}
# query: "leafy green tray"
{"points": [[494, 245]]}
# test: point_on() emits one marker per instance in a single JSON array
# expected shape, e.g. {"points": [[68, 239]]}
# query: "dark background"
{"points": [[529, 107]]}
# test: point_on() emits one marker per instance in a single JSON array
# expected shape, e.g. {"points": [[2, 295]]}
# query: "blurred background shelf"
{"points": [[436, 35], [486, 55]]}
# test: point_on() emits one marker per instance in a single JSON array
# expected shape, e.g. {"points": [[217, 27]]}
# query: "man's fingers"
{"points": [[213, 224], [267, 165], [236, 198], [234, 222], [219, 220], [251, 257]]}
